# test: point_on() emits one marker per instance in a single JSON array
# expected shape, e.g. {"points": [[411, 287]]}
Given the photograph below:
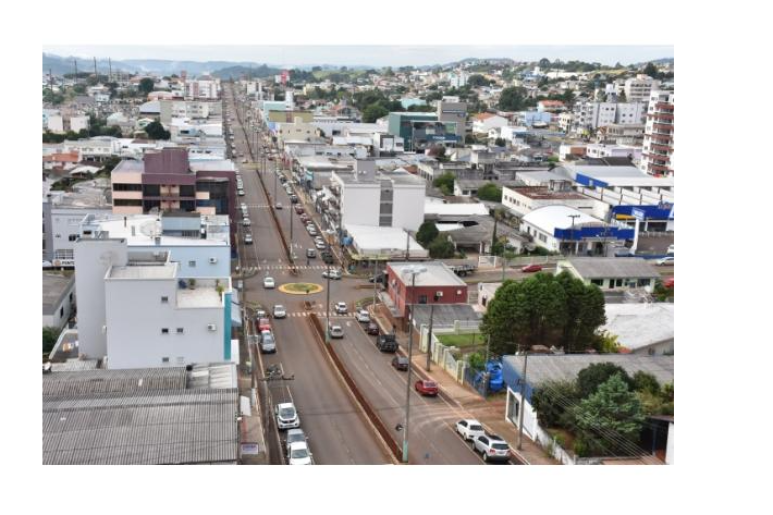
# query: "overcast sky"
{"points": [[386, 55]]}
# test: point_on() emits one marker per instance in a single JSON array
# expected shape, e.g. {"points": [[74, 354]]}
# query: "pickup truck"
{"points": [[327, 257], [461, 267], [386, 343]]}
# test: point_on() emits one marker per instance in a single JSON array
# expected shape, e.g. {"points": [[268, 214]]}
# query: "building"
{"points": [[550, 106], [424, 130], [626, 134], [58, 298], [601, 150], [485, 122], [590, 115], [638, 89], [560, 228], [658, 146], [613, 273], [167, 181], [522, 200], [642, 328], [145, 416], [437, 285], [377, 198], [137, 310]]}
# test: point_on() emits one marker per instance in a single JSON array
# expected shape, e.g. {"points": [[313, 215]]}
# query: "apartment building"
{"points": [[137, 309], [638, 89], [658, 146], [590, 115], [453, 113], [423, 130]]}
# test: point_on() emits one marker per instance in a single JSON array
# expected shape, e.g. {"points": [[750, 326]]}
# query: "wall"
{"points": [[140, 345], [670, 445], [65, 308], [198, 253], [408, 210], [360, 204]]}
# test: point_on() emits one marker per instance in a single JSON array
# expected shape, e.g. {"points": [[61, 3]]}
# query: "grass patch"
{"points": [[462, 340]]}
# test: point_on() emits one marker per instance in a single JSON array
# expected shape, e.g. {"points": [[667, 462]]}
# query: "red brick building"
{"points": [[438, 285]]}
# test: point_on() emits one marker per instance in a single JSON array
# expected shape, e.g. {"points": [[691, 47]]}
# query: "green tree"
{"points": [[512, 99], [500, 142], [591, 377], [490, 192], [51, 97], [610, 419], [441, 248], [477, 80], [651, 70], [373, 112], [645, 382], [146, 85], [606, 343], [544, 63], [427, 232], [445, 183], [156, 131], [79, 89], [552, 401], [50, 335], [585, 311]]}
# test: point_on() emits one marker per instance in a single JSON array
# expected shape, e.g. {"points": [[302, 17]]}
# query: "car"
{"points": [[427, 388], [670, 249], [267, 342], [531, 268], [336, 331], [312, 230], [491, 447], [298, 454], [248, 239], [268, 283], [264, 324], [244, 161], [280, 311], [372, 328], [311, 253], [668, 283], [319, 239], [327, 257], [320, 245], [293, 199], [278, 205], [294, 436], [260, 313], [363, 316], [377, 278], [247, 222], [400, 363], [240, 192], [341, 308], [665, 261], [243, 205], [286, 416], [331, 273], [282, 179], [469, 429], [305, 218], [299, 209]]}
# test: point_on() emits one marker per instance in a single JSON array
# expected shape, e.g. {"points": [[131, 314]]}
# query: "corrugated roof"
{"points": [[615, 268], [113, 381]]}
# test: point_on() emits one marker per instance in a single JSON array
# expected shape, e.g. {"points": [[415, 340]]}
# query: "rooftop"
{"points": [[143, 272], [640, 324], [615, 268], [436, 274], [55, 287], [204, 295], [543, 193], [141, 230], [550, 218]]}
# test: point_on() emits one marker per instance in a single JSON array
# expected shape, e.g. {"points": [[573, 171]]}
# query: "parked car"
{"points": [[268, 283], [372, 328], [666, 261], [334, 273], [240, 192], [492, 448], [336, 331], [246, 222], [363, 316], [278, 205], [424, 387], [469, 429], [377, 278], [386, 342], [327, 257], [341, 308], [261, 313], [286, 416], [532, 268], [299, 209], [669, 283], [248, 239], [294, 436], [298, 454], [312, 230], [320, 245], [264, 324], [311, 253], [670, 249], [305, 218], [280, 311], [267, 342], [400, 363]]}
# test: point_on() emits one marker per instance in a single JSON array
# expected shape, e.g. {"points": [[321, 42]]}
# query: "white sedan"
{"points": [[268, 283], [469, 429]]}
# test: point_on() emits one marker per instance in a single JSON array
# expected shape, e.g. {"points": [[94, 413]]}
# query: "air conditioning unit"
{"points": [[212, 260], [212, 327]]}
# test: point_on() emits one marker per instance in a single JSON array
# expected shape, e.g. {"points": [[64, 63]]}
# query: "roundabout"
{"points": [[300, 288]]}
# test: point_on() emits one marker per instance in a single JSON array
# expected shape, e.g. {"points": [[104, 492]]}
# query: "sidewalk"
{"points": [[491, 413]]}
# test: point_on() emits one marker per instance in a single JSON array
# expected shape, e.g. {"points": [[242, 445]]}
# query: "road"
{"points": [[338, 433]]}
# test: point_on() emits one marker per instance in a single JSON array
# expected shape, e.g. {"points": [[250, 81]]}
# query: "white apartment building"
{"points": [[637, 89], [78, 123], [94, 149], [600, 150], [205, 87], [137, 309], [590, 115], [55, 123], [370, 198], [485, 122], [658, 146]]}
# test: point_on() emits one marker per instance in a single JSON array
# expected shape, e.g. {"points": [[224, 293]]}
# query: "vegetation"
{"points": [[513, 99], [441, 248], [544, 309], [51, 97], [427, 232], [500, 142], [461, 340], [50, 335], [445, 183], [553, 401], [373, 112], [589, 378], [146, 85], [490, 192], [155, 130]]}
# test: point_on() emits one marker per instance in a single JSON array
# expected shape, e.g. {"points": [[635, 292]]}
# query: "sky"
{"points": [[371, 55]]}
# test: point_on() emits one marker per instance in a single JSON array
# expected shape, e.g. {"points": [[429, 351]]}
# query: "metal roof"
{"points": [[113, 381], [56, 286], [614, 268]]}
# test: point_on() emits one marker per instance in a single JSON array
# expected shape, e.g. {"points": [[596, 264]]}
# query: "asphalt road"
{"points": [[338, 433]]}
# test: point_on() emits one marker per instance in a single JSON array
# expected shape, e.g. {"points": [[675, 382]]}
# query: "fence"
{"points": [[443, 355]]}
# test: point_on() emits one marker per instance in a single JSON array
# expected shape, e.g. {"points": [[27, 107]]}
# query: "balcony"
{"points": [[659, 115]]}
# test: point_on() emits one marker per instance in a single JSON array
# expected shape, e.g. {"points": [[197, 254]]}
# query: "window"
{"points": [[192, 264], [164, 330], [61, 312], [165, 360], [72, 237], [597, 282], [164, 300], [422, 299], [180, 330]]}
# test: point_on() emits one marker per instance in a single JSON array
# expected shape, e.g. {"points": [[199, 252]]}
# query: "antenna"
{"points": [[109, 70], [75, 63], [96, 74]]}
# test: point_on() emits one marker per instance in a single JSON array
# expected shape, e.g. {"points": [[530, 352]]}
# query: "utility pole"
{"points": [[109, 70], [327, 308], [75, 63], [504, 263], [96, 73], [523, 399], [375, 282], [429, 336], [572, 234], [414, 271], [407, 245]]}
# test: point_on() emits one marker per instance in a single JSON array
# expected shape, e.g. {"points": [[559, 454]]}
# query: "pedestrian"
{"points": [[394, 328]]}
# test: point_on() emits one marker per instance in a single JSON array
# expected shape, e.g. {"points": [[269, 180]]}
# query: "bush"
{"points": [[592, 376], [427, 232], [646, 382], [551, 400], [50, 335], [441, 248], [581, 448], [476, 361]]}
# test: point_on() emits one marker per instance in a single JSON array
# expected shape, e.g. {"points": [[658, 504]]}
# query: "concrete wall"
{"points": [[360, 204], [408, 207], [61, 312], [201, 255]]}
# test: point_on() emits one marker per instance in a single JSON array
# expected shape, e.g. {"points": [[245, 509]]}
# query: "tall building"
{"points": [[658, 148], [638, 89], [591, 115]]}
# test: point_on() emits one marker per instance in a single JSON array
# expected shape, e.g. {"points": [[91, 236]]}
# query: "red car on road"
{"points": [[531, 268], [264, 325], [299, 209], [426, 387]]}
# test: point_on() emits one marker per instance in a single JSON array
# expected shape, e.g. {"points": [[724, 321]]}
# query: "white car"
{"points": [[336, 331], [320, 245], [363, 316], [286, 416], [280, 311], [294, 436], [666, 261], [333, 273], [341, 308], [268, 283], [246, 221], [240, 193], [298, 454], [492, 448], [470, 429], [248, 239], [670, 249]]}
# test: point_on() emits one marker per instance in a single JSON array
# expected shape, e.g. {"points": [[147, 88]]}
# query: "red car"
{"points": [[305, 218], [264, 325], [669, 283], [426, 387], [531, 268], [299, 209]]}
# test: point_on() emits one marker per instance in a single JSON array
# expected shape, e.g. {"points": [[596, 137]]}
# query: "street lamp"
{"points": [[413, 270], [327, 308]]}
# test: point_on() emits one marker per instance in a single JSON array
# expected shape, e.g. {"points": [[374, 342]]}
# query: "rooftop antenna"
{"points": [[75, 63], [96, 74], [109, 70]]}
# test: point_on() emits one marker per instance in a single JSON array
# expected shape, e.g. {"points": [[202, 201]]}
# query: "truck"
{"points": [[327, 257], [386, 342], [461, 267]]}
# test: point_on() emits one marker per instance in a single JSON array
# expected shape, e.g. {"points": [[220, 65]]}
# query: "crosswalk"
{"points": [[321, 314], [254, 269]]}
